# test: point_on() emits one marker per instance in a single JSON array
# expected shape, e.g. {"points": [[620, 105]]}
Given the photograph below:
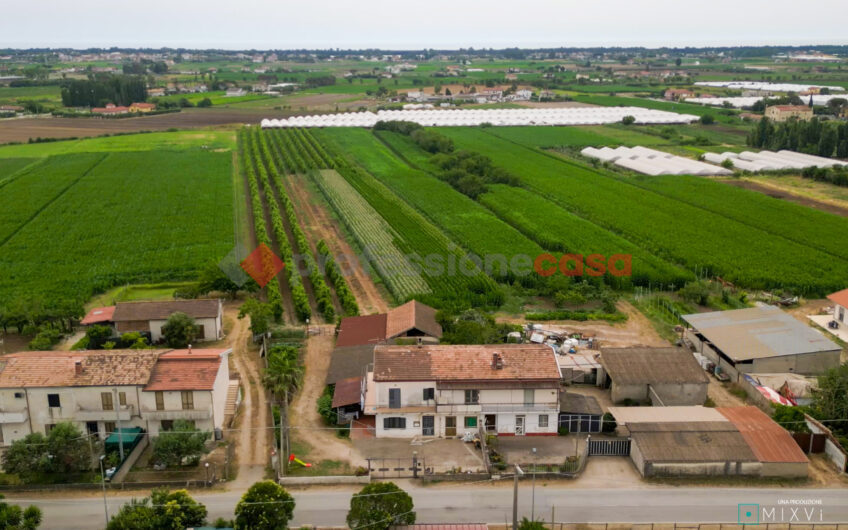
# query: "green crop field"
{"points": [[13, 167], [594, 135], [213, 140], [95, 221]]}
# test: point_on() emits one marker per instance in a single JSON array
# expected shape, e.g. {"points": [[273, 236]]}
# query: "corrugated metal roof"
{"points": [[98, 314], [137, 311], [639, 366], [700, 446], [347, 392], [362, 330], [769, 441], [572, 403], [759, 332]]}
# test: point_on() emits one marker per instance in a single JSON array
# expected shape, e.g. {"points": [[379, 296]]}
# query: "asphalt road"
{"points": [[493, 504]]}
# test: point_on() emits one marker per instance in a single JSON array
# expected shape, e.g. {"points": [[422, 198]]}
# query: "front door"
{"points": [[450, 426], [427, 426], [519, 425], [491, 422]]}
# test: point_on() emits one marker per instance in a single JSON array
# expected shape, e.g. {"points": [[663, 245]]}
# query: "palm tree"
{"points": [[282, 377]]}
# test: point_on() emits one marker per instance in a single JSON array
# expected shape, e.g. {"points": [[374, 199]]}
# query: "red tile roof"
{"points": [[98, 314], [194, 369], [792, 108], [769, 441], [367, 329], [520, 362], [839, 297], [58, 368], [143, 105], [347, 392], [110, 110]]}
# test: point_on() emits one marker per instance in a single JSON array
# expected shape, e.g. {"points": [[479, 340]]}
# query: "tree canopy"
{"points": [[64, 450], [14, 517], [163, 510], [180, 330], [264, 506], [380, 506], [185, 442]]}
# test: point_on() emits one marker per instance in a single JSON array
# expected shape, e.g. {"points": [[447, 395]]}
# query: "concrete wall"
{"points": [[219, 392], [676, 469], [619, 393], [832, 448], [212, 329], [782, 469], [679, 394], [201, 414], [409, 432]]}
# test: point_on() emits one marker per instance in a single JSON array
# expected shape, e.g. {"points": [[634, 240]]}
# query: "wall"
{"points": [[410, 430], [680, 394], [619, 393], [782, 469], [674, 469], [201, 415], [832, 448], [219, 392], [211, 328]]}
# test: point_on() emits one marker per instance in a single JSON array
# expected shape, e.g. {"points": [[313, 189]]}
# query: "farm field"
{"points": [[169, 141], [580, 136], [685, 108], [9, 168], [128, 217], [748, 255]]}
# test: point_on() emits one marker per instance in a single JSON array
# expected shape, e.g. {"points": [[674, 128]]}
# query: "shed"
{"points": [[761, 339], [663, 376], [348, 362], [347, 398], [579, 413]]}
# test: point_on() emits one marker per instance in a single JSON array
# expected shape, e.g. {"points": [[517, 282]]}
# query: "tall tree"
{"points": [[380, 506], [185, 442], [180, 330], [264, 506]]}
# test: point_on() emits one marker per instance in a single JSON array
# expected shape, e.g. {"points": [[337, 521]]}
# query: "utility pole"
{"points": [[117, 406], [533, 501], [103, 483], [515, 498]]}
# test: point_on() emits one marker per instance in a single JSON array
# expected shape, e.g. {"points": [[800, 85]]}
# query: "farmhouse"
{"points": [[235, 92], [786, 112], [101, 390], [155, 92], [411, 320], [151, 316], [760, 340], [676, 441], [110, 109], [446, 391], [678, 94], [663, 376], [142, 107]]}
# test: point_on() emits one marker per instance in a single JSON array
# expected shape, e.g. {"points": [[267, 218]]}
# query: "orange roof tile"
{"points": [[365, 329], [181, 370], [769, 441], [58, 368], [839, 297], [412, 315], [520, 362], [98, 314]]}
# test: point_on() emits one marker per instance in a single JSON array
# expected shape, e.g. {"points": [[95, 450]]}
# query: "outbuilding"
{"points": [[579, 413], [661, 376], [208, 315]]}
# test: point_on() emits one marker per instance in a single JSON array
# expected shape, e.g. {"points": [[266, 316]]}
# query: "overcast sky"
{"points": [[398, 24]]}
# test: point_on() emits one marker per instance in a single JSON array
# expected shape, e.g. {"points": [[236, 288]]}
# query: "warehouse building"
{"points": [[760, 340], [661, 376], [701, 441]]}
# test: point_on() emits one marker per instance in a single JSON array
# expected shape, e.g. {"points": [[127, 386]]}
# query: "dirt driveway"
{"points": [[305, 422]]}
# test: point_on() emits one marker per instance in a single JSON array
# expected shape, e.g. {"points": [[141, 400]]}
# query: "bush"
{"points": [[563, 430], [325, 406], [628, 120], [609, 423], [707, 119], [45, 339], [380, 506]]}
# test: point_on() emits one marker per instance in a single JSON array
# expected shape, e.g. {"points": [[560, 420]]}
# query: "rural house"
{"points": [[678, 94], [787, 112], [98, 390], [760, 340], [840, 307], [142, 107], [208, 314], [678, 441], [663, 376], [446, 391], [411, 320]]}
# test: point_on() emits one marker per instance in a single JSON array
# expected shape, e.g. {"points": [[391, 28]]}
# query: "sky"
{"points": [[397, 24]]}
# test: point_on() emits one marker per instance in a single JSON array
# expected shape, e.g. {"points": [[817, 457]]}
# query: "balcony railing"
{"points": [[177, 414], [124, 412], [495, 408]]}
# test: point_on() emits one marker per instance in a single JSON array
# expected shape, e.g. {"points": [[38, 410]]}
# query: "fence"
{"points": [[608, 447], [832, 448], [397, 467]]}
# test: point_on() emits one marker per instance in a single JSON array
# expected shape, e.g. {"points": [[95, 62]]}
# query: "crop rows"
{"points": [[272, 288], [271, 157], [135, 217], [666, 227], [373, 234], [334, 273], [299, 296]]}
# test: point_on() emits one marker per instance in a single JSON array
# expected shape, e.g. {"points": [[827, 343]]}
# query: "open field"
{"points": [[104, 225], [210, 139]]}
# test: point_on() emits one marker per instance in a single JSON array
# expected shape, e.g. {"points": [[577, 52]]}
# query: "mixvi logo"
{"points": [[785, 511]]}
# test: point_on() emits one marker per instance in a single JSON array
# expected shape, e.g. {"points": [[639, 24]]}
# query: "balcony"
{"points": [[177, 414], [18, 416], [61, 413], [125, 413], [498, 408]]}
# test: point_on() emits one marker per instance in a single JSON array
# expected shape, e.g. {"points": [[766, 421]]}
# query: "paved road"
{"points": [[492, 504]]}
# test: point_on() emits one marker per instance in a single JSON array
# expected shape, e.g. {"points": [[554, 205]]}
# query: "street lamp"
{"points": [[207, 473], [103, 483], [533, 494]]}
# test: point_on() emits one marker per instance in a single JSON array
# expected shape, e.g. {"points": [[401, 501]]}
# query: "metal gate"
{"points": [[609, 447], [396, 467]]}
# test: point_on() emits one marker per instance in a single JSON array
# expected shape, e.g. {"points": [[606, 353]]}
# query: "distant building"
{"points": [[151, 316], [781, 113], [235, 92], [761, 340], [678, 94], [142, 107], [110, 109], [155, 92], [840, 303]]}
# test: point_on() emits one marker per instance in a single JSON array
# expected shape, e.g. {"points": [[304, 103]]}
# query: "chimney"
{"points": [[419, 342], [495, 360], [77, 367]]}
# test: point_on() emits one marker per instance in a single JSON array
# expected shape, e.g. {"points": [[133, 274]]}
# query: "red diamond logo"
{"points": [[262, 264]]}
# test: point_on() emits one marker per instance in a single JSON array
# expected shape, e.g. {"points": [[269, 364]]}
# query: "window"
{"points": [[528, 397], [53, 400], [19, 395], [166, 425], [472, 397], [109, 427], [394, 398], [188, 399], [160, 401], [429, 393], [543, 420], [122, 399], [106, 400], [394, 423], [470, 422]]}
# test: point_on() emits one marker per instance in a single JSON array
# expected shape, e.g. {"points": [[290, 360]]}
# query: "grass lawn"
{"points": [[320, 468], [166, 141], [133, 292]]}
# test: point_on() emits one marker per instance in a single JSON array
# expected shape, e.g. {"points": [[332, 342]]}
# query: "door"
{"points": [[519, 425], [428, 426], [91, 427], [491, 422], [450, 426]]}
